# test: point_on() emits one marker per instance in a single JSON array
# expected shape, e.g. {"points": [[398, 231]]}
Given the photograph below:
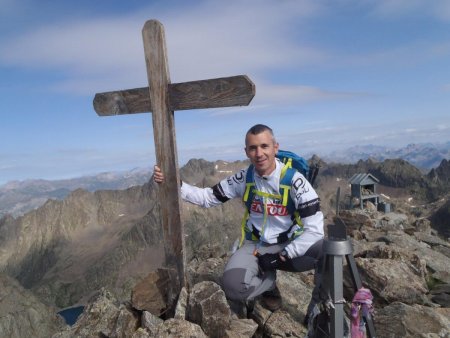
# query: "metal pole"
{"points": [[335, 248]]}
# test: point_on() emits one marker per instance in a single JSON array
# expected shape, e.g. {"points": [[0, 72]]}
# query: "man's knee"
{"points": [[234, 286], [311, 260], [316, 250]]}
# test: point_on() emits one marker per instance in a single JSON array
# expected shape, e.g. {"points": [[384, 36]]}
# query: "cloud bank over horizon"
{"points": [[327, 75]]}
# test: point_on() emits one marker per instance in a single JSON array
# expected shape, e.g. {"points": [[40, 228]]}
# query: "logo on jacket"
{"points": [[272, 209]]}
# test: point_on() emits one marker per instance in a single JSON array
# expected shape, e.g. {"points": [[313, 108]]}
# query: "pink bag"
{"points": [[361, 303]]}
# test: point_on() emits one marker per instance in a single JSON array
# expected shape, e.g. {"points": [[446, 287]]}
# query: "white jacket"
{"points": [[267, 215]]}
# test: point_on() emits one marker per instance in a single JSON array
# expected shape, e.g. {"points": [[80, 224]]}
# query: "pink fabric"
{"points": [[361, 301]]}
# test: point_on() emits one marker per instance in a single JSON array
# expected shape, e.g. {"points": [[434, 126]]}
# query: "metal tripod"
{"points": [[335, 248]]}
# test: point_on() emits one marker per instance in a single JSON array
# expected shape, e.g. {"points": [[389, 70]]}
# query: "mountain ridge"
{"points": [[65, 251], [18, 197], [424, 156]]}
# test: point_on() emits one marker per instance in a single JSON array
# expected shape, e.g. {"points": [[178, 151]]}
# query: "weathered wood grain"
{"points": [[130, 101], [162, 98], [213, 93], [166, 151]]}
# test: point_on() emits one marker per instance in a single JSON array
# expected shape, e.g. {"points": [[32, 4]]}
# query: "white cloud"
{"points": [[407, 54], [87, 47], [243, 37], [207, 40], [269, 95], [398, 7], [211, 40], [297, 94], [439, 9], [236, 110], [7, 166]]}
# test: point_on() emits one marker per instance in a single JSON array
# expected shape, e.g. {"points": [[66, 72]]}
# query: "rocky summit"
{"points": [[23, 315], [104, 250]]}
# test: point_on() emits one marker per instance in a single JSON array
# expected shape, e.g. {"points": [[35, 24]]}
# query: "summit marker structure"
{"points": [[162, 98]]}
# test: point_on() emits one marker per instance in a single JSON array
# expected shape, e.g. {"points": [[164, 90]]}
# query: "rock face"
{"points": [[109, 243], [383, 277], [23, 315], [441, 219], [396, 266], [103, 317], [67, 249], [152, 299], [206, 314], [401, 320], [208, 308], [440, 176], [397, 173]]}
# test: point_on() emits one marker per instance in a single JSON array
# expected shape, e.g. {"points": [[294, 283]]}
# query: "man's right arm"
{"points": [[205, 197]]}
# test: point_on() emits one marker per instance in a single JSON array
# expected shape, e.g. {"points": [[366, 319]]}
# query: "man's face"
{"points": [[261, 150]]}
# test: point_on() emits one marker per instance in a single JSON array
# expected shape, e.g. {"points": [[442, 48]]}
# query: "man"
{"points": [[274, 239]]}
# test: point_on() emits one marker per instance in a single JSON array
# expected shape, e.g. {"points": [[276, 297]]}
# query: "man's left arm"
{"points": [[307, 204]]}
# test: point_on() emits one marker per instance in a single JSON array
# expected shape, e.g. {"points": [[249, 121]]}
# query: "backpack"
{"points": [[293, 163]]}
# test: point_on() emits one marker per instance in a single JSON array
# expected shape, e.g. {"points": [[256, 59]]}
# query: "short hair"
{"points": [[258, 129]]}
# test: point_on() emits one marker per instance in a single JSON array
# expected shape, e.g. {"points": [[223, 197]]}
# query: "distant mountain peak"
{"points": [[17, 197], [421, 155]]}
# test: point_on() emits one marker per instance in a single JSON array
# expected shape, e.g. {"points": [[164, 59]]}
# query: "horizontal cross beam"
{"points": [[162, 98], [213, 93]]}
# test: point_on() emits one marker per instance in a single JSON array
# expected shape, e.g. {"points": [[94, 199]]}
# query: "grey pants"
{"points": [[243, 280]]}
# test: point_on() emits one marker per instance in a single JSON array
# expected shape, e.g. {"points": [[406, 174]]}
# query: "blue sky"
{"points": [[328, 75]]}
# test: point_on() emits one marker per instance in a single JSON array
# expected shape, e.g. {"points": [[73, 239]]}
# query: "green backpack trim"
{"points": [[287, 173]]}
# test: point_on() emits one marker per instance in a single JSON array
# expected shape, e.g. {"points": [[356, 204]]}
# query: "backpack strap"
{"points": [[287, 174], [247, 199], [249, 188]]}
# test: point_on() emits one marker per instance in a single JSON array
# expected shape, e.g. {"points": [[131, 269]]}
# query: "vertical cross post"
{"points": [[166, 150]]}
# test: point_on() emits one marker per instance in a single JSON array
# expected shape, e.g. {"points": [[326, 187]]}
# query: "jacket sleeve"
{"points": [[307, 203], [231, 187]]}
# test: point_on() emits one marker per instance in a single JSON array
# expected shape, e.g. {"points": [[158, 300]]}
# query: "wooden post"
{"points": [[162, 98], [165, 143]]}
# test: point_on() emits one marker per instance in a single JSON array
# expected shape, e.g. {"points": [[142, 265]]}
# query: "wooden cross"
{"points": [[162, 98]]}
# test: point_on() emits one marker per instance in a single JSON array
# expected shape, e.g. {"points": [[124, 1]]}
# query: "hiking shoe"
{"points": [[250, 307], [271, 299], [237, 308]]}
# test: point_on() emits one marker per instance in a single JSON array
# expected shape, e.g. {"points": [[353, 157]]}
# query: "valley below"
{"points": [[67, 251]]}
